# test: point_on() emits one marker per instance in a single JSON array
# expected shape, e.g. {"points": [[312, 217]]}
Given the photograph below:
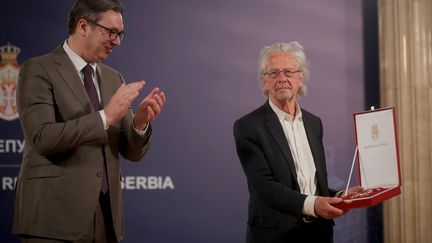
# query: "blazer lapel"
{"points": [[315, 145], [104, 85], [71, 77], [276, 130]]}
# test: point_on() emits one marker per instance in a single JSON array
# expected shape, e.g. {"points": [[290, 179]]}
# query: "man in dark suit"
{"points": [[281, 152], [76, 118]]}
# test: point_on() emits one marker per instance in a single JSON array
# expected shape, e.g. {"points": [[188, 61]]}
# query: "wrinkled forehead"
{"points": [[281, 60]]}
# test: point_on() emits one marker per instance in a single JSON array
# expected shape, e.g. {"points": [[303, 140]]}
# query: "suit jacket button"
{"points": [[99, 173]]}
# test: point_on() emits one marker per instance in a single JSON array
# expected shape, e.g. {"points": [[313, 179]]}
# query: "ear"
{"points": [[264, 82], [82, 27], [301, 79]]}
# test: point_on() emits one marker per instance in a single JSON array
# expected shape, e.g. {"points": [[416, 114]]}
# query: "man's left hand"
{"points": [[149, 108]]}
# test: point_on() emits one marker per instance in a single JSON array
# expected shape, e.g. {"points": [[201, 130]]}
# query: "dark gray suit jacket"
{"points": [[60, 177], [275, 204]]}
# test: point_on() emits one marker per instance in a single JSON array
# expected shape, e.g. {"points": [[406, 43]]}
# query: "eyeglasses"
{"points": [[112, 33], [275, 73]]}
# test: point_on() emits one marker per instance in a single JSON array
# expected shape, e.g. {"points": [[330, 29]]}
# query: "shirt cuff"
{"points": [[141, 132], [309, 206], [103, 116], [339, 193]]}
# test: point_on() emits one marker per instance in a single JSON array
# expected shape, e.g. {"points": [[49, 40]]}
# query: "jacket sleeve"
{"points": [[133, 146]]}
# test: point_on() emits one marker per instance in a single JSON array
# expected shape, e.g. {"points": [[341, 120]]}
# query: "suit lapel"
{"points": [[104, 85], [276, 130], [70, 77], [315, 145]]}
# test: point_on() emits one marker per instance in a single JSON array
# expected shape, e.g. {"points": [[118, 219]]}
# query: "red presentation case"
{"points": [[377, 159]]}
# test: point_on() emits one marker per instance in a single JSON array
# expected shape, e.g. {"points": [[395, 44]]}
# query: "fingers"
{"points": [[150, 107], [154, 101], [151, 114], [160, 98], [160, 101], [122, 100], [127, 93], [323, 207], [334, 200], [355, 189], [131, 89]]}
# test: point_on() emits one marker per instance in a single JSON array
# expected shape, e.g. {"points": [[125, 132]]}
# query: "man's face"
{"points": [[98, 44], [282, 78]]}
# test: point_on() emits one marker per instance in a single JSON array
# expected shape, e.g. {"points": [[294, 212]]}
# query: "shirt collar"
{"points": [[77, 61], [282, 115]]}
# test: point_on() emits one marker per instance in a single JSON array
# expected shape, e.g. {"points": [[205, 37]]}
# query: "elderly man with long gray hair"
{"points": [[281, 151]]}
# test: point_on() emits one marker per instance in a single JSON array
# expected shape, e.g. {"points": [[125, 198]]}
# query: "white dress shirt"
{"points": [[295, 133]]}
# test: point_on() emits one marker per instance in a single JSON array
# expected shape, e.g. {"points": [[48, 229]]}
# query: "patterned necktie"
{"points": [[91, 91]]}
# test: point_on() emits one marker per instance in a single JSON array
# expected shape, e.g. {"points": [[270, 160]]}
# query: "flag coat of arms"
{"points": [[9, 69]]}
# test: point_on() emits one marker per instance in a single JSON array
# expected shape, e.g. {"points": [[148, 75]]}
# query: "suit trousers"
{"points": [[100, 230], [318, 231]]}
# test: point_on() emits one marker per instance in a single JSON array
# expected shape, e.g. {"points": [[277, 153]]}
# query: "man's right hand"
{"points": [[323, 207], [121, 101]]}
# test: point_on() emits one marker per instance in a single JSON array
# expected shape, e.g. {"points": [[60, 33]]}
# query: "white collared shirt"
{"points": [[295, 134]]}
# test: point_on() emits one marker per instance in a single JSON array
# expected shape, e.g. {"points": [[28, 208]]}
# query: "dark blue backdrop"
{"points": [[190, 187]]}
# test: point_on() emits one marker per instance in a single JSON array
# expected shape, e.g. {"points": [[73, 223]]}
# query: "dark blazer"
{"points": [[66, 144], [275, 203]]}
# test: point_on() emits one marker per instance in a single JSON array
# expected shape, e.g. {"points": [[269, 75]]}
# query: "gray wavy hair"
{"points": [[292, 47]]}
